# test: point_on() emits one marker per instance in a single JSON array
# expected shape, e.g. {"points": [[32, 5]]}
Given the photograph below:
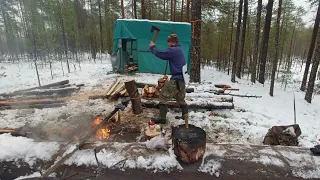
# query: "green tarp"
{"points": [[139, 30]]}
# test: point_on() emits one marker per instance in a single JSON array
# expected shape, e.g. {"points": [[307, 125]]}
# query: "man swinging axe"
{"points": [[175, 88]]}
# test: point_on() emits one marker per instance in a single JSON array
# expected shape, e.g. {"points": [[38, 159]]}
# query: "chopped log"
{"points": [[74, 147], [132, 89], [148, 133], [191, 104], [189, 144], [231, 89], [136, 105], [112, 88], [142, 84], [79, 85]]}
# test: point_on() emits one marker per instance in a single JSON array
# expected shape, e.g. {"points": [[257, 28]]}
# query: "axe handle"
{"points": [[165, 70], [155, 37]]}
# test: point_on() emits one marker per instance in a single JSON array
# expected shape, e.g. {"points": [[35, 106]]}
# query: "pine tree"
{"points": [[236, 45], [265, 42], [195, 47], [275, 62]]}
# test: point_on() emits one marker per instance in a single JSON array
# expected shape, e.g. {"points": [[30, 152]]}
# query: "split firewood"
{"points": [[117, 90], [112, 87]]}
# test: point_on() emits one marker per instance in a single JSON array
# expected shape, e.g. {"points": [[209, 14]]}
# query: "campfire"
{"points": [[103, 133]]}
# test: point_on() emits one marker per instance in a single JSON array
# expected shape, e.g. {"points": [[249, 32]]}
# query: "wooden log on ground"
{"points": [[134, 96], [191, 104], [33, 106], [13, 132], [189, 144], [214, 97], [63, 91], [132, 89], [97, 97], [136, 105], [19, 92], [142, 84]]}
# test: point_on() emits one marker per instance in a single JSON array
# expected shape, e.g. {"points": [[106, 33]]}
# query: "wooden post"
{"points": [[132, 90]]}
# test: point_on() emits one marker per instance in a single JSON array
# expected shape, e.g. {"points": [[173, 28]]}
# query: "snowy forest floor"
{"points": [[247, 124]]}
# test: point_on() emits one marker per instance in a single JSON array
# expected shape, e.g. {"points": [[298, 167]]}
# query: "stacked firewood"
{"points": [[116, 90], [150, 91]]}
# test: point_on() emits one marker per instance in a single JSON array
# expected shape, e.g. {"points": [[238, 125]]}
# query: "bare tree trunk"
{"points": [[275, 62], [231, 34], [182, 4], [122, 10], [143, 10], [313, 73], [150, 9], [195, 47], [135, 9], [236, 45], [256, 43], [100, 23], [311, 49], [243, 38], [188, 11], [164, 10], [63, 34], [265, 42]]}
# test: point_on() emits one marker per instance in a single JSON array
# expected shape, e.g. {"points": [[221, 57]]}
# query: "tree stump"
{"points": [[136, 105], [189, 144], [131, 88]]}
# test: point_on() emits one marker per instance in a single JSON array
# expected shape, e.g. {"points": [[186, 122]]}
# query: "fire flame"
{"points": [[102, 133]]}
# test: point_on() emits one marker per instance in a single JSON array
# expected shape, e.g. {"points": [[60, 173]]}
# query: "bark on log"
{"points": [[33, 106], [12, 132], [136, 105], [131, 88], [189, 144], [60, 83], [192, 105], [63, 91]]}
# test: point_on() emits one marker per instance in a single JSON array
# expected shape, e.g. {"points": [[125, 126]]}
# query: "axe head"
{"points": [[154, 28]]}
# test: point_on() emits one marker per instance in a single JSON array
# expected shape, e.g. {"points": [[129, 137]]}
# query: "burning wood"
{"points": [[102, 133]]}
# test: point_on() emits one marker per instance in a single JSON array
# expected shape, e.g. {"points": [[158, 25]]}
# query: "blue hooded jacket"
{"points": [[175, 57]]}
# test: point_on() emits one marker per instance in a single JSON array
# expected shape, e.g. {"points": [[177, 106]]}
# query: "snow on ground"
{"points": [[25, 149], [23, 75], [248, 123]]}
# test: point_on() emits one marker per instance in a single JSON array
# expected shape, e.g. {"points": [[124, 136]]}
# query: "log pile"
{"points": [[116, 90], [47, 96]]}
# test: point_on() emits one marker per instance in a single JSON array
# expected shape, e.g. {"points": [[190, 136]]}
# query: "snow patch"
{"points": [[21, 148], [268, 160], [212, 167]]}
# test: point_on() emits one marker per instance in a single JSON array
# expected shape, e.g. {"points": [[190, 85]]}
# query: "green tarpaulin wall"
{"points": [[135, 37]]}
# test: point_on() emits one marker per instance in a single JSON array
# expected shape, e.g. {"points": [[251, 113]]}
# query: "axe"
{"points": [[154, 28]]}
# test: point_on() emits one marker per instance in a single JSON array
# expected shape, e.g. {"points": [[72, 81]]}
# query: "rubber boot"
{"points": [[162, 119]]}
